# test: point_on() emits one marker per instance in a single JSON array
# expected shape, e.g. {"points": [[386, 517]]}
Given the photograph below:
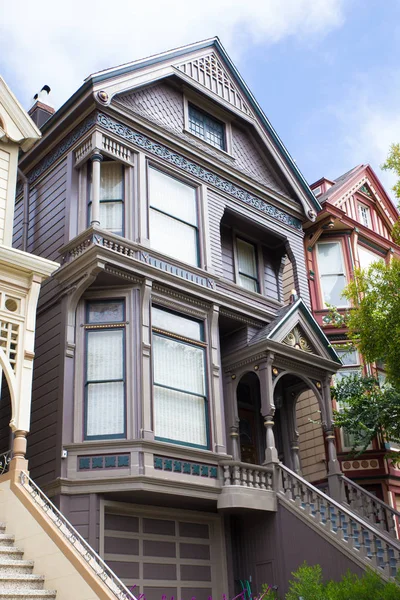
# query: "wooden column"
{"points": [[96, 159], [268, 409], [334, 471]]}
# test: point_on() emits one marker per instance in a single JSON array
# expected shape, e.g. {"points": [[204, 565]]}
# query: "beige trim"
{"points": [[64, 569]]}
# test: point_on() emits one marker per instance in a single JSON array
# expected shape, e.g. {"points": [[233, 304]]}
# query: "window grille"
{"points": [[206, 127], [247, 265]]}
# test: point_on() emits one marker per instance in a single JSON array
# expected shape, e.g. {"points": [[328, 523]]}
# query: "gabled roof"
{"points": [[15, 124], [293, 320], [229, 89], [352, 181]]}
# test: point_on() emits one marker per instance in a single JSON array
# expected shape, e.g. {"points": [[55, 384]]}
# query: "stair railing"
{"points": [[93, 560], [5, 460], [365, 541], [370, 507]]}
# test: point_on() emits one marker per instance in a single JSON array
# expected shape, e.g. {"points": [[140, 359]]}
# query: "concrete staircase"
{"points": [[17, 580]]}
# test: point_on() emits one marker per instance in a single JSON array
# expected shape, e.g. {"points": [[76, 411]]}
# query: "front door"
{"points": [[248, 436]]}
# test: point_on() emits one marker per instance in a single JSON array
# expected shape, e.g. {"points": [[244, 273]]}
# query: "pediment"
{"points": [[209, 72], [295, 327]]}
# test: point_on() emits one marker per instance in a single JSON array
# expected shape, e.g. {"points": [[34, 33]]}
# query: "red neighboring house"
{"points": [[352, 230]]}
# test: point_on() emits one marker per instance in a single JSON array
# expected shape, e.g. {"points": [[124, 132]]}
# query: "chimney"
{"points": [[41, 110]]}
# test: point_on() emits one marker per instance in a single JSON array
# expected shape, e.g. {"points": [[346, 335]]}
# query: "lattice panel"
{"points": [[208, 71], [9, 341]]}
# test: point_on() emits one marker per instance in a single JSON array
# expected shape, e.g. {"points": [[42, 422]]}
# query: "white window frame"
{"points": [[203, 344], [344, 301], [364, 218], [378, 257], [198, 196], [213, 112], [259, 280], [317, 191]]}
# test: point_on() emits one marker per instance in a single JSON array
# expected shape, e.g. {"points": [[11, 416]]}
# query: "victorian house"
{"points": [[176, 338], [353, 230]]}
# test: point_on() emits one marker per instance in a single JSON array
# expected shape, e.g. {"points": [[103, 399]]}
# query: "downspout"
{"points": [[25, 217]]}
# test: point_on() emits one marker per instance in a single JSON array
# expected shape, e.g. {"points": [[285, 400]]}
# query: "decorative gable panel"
{"points": [[298, 340], [209, 72]]}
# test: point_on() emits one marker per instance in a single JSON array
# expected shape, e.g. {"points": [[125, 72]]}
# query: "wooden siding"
{"points": [[47, 211], [83, 512], [311, 439], [228, 264], [46, 391], [287, 281], [270, 273]]}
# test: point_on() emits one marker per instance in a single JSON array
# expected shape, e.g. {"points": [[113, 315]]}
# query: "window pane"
{"points": [[330, 258], [173, 238], [105, 312], [105, 409], [104, 355], [162, 319], [364, 213], [179, 416], [249, 284], [111, 181], [172, 196], [332, 288], [348, 357], [178, 365], [111, 216], [247, 258], [206, 127], [366, 257]]}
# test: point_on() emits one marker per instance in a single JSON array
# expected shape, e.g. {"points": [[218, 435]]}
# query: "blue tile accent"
{"points": [[110, 461], [84, 463], [204, 471], [186, 467], [123, 460], [97, 462], [213, 472], [177, 466], [195, 469], [167, 464], [158, 463]]}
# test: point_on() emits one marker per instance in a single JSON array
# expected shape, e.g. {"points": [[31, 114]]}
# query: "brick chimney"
{"points": [[41, 110]]}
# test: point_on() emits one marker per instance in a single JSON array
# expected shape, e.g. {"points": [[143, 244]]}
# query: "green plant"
{"points": [[308, 585], [268, 593]]}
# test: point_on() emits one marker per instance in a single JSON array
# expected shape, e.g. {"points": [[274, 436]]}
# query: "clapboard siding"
{"points": [[216, 207], [47, 210], [42, 445], [287, 281], [270, 275], [227, 253]]}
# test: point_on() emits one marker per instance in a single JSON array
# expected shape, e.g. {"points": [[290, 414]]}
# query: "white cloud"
{"points": [[61, 43]]}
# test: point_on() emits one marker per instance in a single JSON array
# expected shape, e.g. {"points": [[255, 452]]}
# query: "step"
{"points": [[11, 552], [21, 581], [11, 565], [6, 539], [2, 527], [26, 594]]}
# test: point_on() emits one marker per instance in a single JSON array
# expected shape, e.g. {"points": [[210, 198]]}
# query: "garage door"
{"points": [[165, 553]]}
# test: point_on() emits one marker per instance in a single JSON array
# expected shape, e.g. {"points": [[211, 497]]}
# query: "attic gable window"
{"points": [[206, 127], [364, 214]]}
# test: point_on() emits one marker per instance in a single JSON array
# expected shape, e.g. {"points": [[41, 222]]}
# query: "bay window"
{"points": [[173, 217], [111, 197], [105, 370], [367, 257], [332, 273], [247, 265], [179, 379]]}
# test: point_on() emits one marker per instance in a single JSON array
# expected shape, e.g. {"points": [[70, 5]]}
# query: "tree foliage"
{"points": [[367, 410], [374, 321], [393, 164]]}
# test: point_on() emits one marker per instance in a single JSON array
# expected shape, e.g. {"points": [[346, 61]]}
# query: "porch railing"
{"points": [[372, 545], [93, 560], [5, 460], [370, 507], [246, 475]]}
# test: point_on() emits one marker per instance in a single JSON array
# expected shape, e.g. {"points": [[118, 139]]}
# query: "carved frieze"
{"points": [[296, 339]]}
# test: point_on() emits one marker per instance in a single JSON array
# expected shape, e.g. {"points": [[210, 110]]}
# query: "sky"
{"points": [[326, 72]]}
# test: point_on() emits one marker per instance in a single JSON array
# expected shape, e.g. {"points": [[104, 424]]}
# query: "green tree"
{"points": [[393, 164]]}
